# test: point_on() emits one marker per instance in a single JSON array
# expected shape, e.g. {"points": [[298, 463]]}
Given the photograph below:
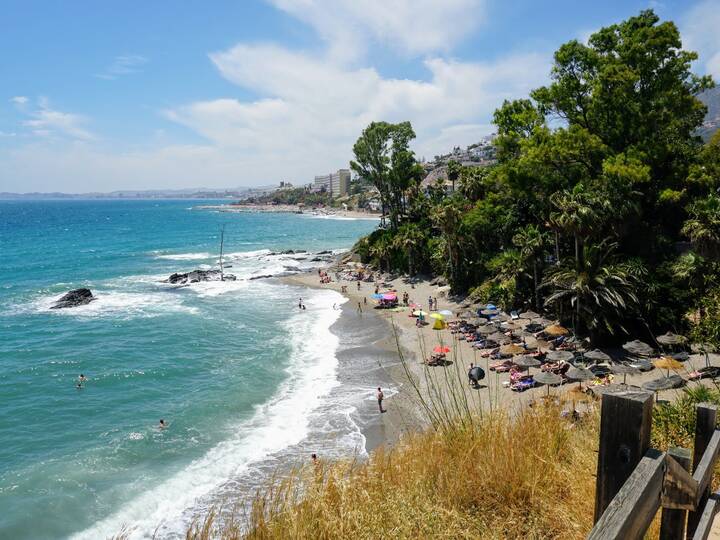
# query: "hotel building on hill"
{"points": [[336, 184]]}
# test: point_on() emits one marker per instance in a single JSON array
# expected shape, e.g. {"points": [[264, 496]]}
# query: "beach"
{"points": [[398, 335], [336, 213]]}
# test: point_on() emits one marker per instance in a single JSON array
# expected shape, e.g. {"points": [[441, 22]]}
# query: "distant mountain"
{"points": [[193, 193], [711, 98]]}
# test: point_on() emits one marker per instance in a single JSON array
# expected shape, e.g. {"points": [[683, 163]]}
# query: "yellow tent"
{"points": [[439, 324]]}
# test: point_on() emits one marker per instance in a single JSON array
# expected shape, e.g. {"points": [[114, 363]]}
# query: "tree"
{"points": [[411, 239], [703, 227], [383, 157], [448, 218], [453, 172], [531, 243], [601, 293]]}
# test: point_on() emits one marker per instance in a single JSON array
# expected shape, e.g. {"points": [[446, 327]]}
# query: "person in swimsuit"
{"points": [[380, 397]]}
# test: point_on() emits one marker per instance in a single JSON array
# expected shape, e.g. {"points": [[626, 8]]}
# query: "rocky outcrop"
{"points": [[76, 297], [196, 276]]}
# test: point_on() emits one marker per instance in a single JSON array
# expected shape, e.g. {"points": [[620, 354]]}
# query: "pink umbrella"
{"points": [[389, 296]]}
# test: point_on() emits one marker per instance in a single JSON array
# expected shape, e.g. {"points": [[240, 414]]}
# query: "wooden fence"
{"points": [[634, 481]]}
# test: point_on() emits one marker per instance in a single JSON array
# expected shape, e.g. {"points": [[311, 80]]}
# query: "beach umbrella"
{"points": [[486, 330], [476, 374], [446, 312], [671, 339], [437, 316], [389, 296], [490, 306], [533, 327], [512, 349], [624, 370], [596, 355], [559, 356], [529, 315], [419, 313], [641, 363], [443, 349], [548, 379], [664, 383], [556, 330], [668, 363], [638, 348], [579, 374], [499, 338], [512, 326], [489, 312], [526, 361], [376, 296]]}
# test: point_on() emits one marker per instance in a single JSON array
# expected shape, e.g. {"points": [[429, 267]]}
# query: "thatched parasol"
{"points": [[624, 370], [670, 338], [512, 349], [580, 374], [548, 379], [668, 363], [638, 347], [498, 338], [512, 326], [556, 330], [664, 383], [526, 361], [596, 355], [529, 315], [559, 356]]}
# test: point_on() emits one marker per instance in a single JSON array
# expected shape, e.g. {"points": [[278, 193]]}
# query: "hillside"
{"points": [[711, 98]]}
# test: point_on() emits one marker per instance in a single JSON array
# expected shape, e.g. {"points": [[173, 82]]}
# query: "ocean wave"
{"points": [[114, 304], [281, 422], [185, 256]]}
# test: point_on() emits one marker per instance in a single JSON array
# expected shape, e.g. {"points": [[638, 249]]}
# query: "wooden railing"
{"points": [[634, 481]]}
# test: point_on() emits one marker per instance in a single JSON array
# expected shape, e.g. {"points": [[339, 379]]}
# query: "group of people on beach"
{"points": [[324, 277]]}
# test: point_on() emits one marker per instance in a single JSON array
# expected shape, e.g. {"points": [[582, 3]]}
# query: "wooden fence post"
{"points": [[704, 429], [672, 523], [625, 425]]}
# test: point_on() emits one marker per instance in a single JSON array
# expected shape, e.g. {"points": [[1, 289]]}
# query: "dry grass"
{"points": [[531, 477]]}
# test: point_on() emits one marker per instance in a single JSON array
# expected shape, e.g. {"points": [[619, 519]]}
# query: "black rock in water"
{"points": [[265, 276], [76, 297], [196, 276]]}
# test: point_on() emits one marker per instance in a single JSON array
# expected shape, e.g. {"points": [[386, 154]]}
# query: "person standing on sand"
{"points": [[300, 303], [358, 285], [365, 300], [470, 379], [359, 309], [380, 397], [435, 303], [430, 306]]}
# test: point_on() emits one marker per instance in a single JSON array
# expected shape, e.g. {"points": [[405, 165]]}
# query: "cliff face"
{"points": [[711, 98]]}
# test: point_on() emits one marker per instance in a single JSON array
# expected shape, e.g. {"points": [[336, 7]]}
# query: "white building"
{"points": [[335, 184]]}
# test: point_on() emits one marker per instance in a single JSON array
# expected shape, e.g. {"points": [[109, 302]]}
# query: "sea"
{"points": [[248, 384]]}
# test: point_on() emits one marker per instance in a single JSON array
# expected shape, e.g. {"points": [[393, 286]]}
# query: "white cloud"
{"points": [[20, 101], [44, 121], [699, 31], [411, 26], [123, 65]]}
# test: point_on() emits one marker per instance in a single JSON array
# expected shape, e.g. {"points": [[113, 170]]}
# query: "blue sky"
{"points": [[99, 96]]}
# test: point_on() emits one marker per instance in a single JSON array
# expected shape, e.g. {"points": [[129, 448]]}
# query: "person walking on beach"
{"points": [[300, 304], [470, 379], [358, 285], [430, 304], [365, 301], [435, 303], [380, 397], [359, 309]]}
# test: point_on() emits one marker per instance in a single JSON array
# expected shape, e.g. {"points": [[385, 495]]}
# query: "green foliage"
{"points": [[589, 217], [674, 421]]}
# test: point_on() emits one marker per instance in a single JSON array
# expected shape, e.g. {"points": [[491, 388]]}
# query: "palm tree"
{"points": [[411, 239], [694, 271], [531, 243], [472, 184], [381, 250], [448, 218], [453, 172], [602, 291], [703, 227], [577, 215]]}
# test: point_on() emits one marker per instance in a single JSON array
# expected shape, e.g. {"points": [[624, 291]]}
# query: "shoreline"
{"points": [[331, 213]]}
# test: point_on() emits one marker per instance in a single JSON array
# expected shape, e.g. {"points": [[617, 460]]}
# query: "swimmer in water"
{"points": [[82, 378], [79, 386], [162, 424]]}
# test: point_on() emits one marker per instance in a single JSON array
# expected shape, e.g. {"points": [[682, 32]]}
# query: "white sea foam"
{"points": [[185, 256], [281, 422], [117, 304]]}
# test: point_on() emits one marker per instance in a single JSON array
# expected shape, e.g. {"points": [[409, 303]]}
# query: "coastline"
{"points": [[333, 213]]}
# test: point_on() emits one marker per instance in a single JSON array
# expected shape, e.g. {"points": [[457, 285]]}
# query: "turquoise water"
{"points": [[243, 377]]}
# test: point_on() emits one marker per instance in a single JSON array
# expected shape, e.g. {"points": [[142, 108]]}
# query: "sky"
{"points": [[132, 95]]}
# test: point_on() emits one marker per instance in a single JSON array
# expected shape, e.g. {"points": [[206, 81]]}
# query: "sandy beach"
{"points": [[399, 333], [329, 213]]}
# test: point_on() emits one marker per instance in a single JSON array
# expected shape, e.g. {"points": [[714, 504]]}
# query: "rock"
{"points": [[260, 277], [317, 259], [76, 297], [326, 252], [197, 276]]}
